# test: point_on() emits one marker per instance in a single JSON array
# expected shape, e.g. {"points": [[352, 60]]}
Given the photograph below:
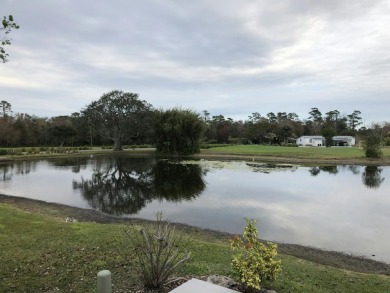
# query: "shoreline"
{"points": [[330, 258], [295, 160], [205, 154]]}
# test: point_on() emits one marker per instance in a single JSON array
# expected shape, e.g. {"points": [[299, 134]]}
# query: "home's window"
{"points": [[311, 140]]}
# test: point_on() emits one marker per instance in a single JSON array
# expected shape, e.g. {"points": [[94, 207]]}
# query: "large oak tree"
{"points": [[119, 116]]}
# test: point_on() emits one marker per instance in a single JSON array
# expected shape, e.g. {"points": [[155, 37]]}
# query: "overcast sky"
{"points": [[229, 57]]}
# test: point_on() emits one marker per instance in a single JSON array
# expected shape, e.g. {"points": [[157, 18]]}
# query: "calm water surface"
{"points": [[342, 208]]}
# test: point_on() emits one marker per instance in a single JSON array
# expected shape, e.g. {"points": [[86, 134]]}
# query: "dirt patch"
{"points": [[331, 258]]}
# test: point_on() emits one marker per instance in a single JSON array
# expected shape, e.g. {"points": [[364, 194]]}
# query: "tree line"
{"points": [[283, 128], [116, 118], [119, 118]]}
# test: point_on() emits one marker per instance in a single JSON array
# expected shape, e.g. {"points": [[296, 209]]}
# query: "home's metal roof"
{"points": [[343, 137], [312, 136]]}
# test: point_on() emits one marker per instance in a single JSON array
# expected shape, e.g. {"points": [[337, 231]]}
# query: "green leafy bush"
{"points": [[234, 140], [157, 251], [213, 145], [43, 149], [178, 132], [256, 263], [372, 144], [137, 146]]}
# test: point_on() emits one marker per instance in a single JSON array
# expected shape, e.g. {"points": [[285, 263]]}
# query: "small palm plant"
{"points": [[158, 251]]}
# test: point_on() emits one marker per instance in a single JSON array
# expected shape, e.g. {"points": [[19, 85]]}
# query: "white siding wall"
{"points": [[305, 141]]}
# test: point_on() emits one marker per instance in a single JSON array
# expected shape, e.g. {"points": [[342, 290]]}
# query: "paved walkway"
{"points": [[198, 286]]}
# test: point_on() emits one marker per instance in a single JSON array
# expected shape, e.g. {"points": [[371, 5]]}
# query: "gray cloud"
{"points": [[231, 57]]}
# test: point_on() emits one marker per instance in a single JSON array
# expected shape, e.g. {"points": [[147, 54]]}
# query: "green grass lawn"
{"points": [[293, 152], [43, 253], [308, 153]]}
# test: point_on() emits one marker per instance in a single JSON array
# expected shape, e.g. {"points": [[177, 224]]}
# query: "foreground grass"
{"points": [[294, 152], [43, 253]]}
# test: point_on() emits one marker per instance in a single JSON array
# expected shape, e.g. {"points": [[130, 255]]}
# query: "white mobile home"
{"points": [[316, 140], [343, 141], [311, 140]]}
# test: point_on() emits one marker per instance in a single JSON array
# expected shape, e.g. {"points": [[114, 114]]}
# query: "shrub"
{"points": [[256, 263], [217, 145], [372, 144], [234, 140], [157, 250], [289, 144], [212, 141], [3, 152], [178, 132]]}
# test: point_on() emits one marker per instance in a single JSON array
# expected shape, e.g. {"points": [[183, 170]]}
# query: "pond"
{"points": [[341, 208]]}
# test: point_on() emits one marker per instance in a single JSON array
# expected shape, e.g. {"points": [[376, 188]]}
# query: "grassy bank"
{"points": [[299, 154], [306, 155], [40, 252]]}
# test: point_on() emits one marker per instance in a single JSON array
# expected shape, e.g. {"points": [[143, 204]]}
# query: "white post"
{"points": [[104, 282]]}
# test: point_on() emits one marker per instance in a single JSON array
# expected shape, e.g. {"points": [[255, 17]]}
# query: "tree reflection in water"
{"points": [[120, 185], [314, 171], [16, 168], [77, 163], [329, 169], [371, 177], [176, 182]]}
